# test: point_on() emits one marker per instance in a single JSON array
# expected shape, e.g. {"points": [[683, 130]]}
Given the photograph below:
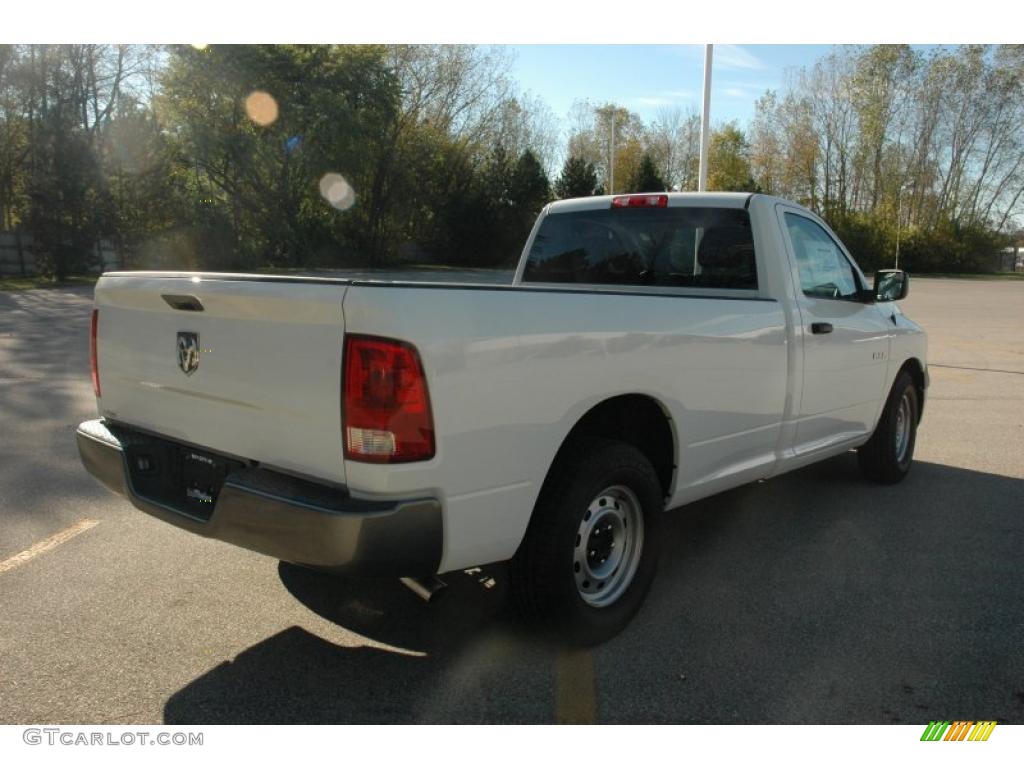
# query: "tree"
{"points": [[528, 192], [728, 161], [486, 223], [443, 160], [607, 134], [529, 188], [58, 101], [14, 145], [330, 108], [578, 179], [673, 142], [527, 123], [646, 178], [767, 158], [454, 101], [882, 83]]}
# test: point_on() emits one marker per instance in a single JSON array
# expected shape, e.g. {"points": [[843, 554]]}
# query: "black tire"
{"points": [[545, 571], [884, 458]]}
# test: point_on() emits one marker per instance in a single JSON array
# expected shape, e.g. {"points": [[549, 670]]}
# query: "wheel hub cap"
{"points": [[608, 545]]}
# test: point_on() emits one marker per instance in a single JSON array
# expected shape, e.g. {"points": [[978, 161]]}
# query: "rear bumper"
{"points": [[286, 517]]}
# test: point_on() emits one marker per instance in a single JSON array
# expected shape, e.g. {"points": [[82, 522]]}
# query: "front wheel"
{"points": [[887, 456], [590, 551]]}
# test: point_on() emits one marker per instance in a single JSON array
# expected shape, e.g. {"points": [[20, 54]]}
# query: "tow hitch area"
{"points": [[177, 477], [429, 588]]}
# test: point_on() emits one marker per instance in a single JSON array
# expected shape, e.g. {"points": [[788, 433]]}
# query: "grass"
{"points": [[31, 283]]}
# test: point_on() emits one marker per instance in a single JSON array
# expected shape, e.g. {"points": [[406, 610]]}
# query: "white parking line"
{"points": [[47, 544]]}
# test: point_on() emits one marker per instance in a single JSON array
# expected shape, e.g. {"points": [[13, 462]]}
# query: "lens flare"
{"points": [[261, 108], [200, 46], [336, 191]]}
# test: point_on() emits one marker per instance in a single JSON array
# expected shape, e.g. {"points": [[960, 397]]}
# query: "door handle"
{"points": [[821, 327]]}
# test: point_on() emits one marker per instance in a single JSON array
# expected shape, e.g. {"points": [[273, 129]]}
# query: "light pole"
{"points": [[702, 177]]}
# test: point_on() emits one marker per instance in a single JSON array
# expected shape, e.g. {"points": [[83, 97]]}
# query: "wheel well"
{"points": [[635, 419], [913, 367]]}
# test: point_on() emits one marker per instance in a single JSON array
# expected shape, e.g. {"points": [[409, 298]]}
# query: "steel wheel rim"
{"points": [[903, 423], [609, 541]]}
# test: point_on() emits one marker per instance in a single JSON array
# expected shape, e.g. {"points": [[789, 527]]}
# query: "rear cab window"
{"points": [[682, 247]]}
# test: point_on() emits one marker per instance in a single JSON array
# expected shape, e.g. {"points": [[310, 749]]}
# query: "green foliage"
{"points": [[188, 175], [153, 150], [872, 245], [333, 104], [488, 220], [951, 247], [578, 179], [646, 178], [61, 188], [529, 188], [884, 139], [729, 161]]}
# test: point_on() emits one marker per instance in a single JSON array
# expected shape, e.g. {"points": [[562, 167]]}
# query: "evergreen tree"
{"points": [[578, 179], [646, 178], [527, 191], [529, 188]]}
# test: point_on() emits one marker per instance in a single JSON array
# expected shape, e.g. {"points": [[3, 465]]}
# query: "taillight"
{"points": [[93, 363], [386, 408], [640, 201]]}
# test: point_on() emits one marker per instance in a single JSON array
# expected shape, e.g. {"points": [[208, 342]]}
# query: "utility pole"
{"points": [[899, 219], [705, 137], [899, 223]]}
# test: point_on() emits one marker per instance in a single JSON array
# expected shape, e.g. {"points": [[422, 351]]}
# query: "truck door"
{"points": [[845, 340]]}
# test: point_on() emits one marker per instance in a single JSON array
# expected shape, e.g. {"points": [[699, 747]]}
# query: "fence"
{"points": [[17, 258]]}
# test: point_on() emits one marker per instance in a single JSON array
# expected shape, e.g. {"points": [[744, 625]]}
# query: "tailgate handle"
{"points": [[821, 327], [183, 302]]}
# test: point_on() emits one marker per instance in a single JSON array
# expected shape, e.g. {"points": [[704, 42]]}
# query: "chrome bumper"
{"points": [[286, 517]]}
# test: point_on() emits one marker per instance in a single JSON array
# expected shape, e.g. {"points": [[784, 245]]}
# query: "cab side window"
{"points": [[825, 272]]}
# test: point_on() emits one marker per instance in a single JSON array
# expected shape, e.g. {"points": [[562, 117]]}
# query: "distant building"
{"points": [[1011, 259]]}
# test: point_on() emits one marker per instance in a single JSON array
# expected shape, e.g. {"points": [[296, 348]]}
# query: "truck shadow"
{"points": [[812, 597], [412, 662]]}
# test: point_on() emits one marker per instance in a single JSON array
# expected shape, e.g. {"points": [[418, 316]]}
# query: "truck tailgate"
{"points": [[266, 379]]}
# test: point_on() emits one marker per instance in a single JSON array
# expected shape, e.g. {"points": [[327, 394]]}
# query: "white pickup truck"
{"points": [[650, 350]]}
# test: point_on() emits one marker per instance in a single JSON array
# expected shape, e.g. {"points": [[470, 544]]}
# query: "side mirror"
{"points": [[891, 285]]}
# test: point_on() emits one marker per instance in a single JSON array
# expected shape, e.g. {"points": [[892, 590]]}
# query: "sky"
{"points": [[645, 78]]}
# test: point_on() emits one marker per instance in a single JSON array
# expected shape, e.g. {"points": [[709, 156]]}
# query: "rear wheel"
{"points": [[590, 551], [887, 456]]}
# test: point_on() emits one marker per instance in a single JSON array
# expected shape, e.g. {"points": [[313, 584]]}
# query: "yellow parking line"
{"points": [[47, 544], [575, 694]]}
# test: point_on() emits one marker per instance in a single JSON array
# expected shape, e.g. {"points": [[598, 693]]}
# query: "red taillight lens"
{"points": [[93, 364], [386, 408], [640, 201]]}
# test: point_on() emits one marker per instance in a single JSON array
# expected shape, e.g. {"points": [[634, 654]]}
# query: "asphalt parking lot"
{"points": [[812, 597]]}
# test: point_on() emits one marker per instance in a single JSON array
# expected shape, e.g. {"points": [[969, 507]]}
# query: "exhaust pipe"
{"points": [[429, 588]]}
